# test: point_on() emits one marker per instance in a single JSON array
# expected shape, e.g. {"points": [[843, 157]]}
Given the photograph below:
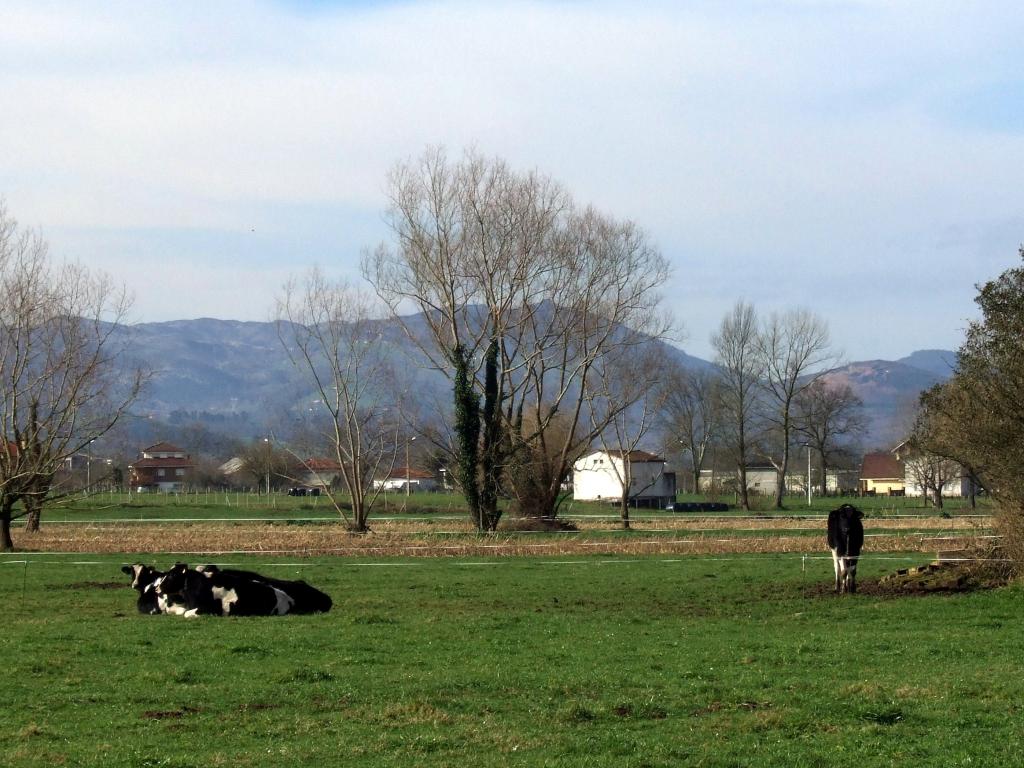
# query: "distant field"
{"points": [[244, 506], [583, 661]]}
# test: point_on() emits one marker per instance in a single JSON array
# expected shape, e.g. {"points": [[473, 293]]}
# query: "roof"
{"points": [[320, 464], [634, 456], [163, 447], [878, 466], [401, 473], [229, 467], [165, 463]]}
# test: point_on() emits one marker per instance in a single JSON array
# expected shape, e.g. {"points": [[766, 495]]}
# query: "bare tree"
{"points": [[332, 332], [794, 347], [736, 353], [520, 294], [60, 383], [932, 474], [827, 415], [266, 464], [631, 375], [692, 410]]}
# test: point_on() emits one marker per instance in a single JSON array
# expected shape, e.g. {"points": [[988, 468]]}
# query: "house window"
{"points": [[160, 473], [179, 472]]}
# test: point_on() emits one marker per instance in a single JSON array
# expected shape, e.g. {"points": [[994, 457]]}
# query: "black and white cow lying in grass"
{"points": [[145, 580], [207, 590], [845, 539]]}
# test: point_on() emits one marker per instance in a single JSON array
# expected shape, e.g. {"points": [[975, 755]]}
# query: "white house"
{"points": [[921, 467], [761, 478], [399, 477], [597, 477]]}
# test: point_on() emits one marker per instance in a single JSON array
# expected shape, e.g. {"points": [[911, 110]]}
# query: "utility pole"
{"points": [[408, 478]]}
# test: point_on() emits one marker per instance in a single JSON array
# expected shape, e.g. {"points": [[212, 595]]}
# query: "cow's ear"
{"points": [[127, 569]]}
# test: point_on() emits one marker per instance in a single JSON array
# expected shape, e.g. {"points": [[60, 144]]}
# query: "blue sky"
{"points": [[860, 158]]}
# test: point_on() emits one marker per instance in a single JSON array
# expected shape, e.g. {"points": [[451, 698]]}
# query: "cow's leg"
{"points": [[836, 564], [851, 574]]}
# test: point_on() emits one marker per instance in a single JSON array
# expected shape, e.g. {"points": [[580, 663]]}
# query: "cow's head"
{"points": [[208, 570], [850, 511], [142, 575], [173, 582]]}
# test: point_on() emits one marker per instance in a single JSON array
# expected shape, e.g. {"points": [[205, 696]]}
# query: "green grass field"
{"points": [[247, 506], [532, 662]]}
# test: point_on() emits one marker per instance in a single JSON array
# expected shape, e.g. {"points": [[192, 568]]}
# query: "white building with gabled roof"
{"points": [[598, 477]]}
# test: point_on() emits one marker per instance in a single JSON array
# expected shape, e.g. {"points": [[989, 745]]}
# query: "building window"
{"points": [[160, 473], [179, 472]]}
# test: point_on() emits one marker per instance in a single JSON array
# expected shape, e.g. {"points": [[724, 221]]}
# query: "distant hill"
{"points": [[890, 391], [941, 362], [237, 377]]}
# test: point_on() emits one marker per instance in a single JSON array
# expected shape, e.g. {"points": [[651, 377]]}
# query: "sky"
{"points": [[861, 159]]}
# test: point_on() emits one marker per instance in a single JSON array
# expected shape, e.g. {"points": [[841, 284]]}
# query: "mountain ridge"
{"points": [[238, 367]]}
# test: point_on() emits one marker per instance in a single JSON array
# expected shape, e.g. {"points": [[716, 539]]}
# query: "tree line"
{"points": [[545, 315]]}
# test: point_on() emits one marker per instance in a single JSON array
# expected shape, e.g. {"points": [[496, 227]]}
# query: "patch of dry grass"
{"points": [[665, 536]]}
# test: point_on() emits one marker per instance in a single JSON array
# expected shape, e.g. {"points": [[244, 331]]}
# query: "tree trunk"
{"points": [[33, 513], [489, 459], [780, 485], [467, 434], [6, 543], [624, 511], [744, 495], [937, 498]]}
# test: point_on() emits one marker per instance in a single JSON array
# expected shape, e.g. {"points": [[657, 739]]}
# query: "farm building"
{"points": [[597, 477], [319, 472], [160, 467], [882, 473], [400, 477], [924, 469], [763, 479]]}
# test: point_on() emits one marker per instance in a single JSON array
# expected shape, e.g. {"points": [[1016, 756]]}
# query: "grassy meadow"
{"points": [[220, 505], [611, 661]]}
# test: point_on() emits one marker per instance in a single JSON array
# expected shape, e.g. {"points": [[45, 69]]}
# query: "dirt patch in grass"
{"points": [[169, 714], [983, 572]]}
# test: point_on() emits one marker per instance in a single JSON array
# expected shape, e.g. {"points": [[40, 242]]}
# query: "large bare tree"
{"points": [[828, 415], [736, 346], [332, 331], [635, 376], [520, 292], [61, 382], [692, 409], [795, 350]]}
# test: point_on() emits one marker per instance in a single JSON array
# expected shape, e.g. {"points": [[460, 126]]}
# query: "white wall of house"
{"points": [[415, 484], [956, 487], [596, 478]]}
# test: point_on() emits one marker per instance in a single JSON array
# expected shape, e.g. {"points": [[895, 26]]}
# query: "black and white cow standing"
{"points": [[222, 594], [845, 539]]}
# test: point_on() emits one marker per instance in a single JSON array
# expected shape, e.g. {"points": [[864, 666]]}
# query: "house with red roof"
{"points": [[161, 467], [320, 472], [882, 473]]}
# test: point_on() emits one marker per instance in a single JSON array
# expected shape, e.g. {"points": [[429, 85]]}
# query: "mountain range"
{"points": [[236, 378]]}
